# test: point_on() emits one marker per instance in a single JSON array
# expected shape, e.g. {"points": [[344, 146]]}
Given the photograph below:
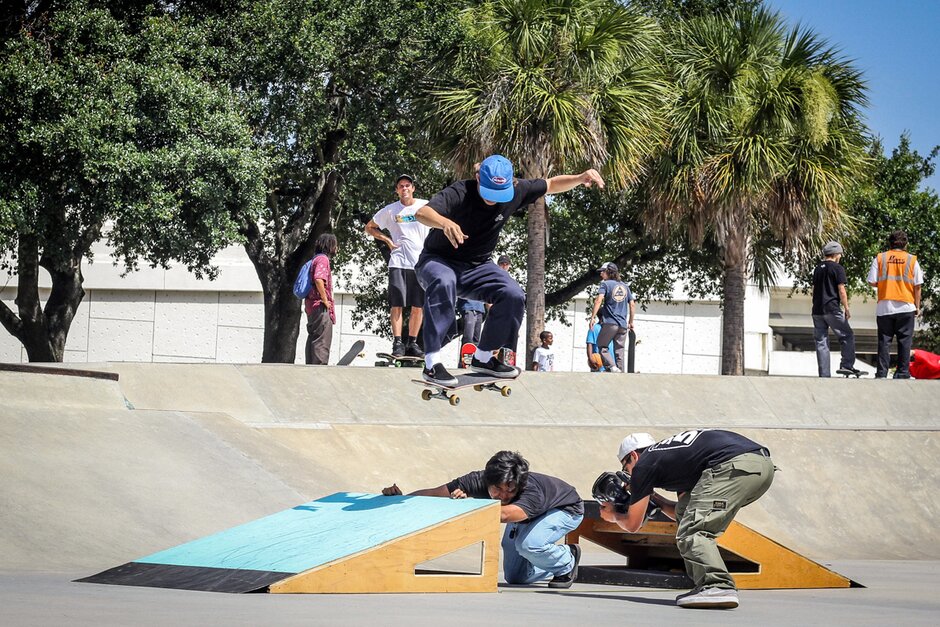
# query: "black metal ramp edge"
{"points": [[187, 577], [623, 576]]}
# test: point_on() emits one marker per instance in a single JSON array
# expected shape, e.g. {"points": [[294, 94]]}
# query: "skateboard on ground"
{"points": [[851, 373], [478, 381], [354, 351], [399, 362], [466, 354]]}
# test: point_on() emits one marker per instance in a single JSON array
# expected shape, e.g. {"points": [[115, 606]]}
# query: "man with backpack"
{"points": [[314, 284]]}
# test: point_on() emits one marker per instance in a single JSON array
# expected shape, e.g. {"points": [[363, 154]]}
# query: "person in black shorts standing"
{"points": [[715, 473], [466, 219], [405, 240], [538, 509], [831, 311]]}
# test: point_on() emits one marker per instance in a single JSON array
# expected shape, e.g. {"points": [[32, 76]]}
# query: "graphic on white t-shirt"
{"points": [[545, 357], [405, 231]]}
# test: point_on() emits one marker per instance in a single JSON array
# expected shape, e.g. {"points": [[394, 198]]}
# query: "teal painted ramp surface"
{"points": [[316, 533]]}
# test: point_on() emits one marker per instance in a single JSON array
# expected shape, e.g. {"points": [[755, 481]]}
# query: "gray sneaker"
{"points": [[710, 598]]}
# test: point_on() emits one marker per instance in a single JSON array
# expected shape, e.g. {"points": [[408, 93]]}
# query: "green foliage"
{"points": [[107, 128], [895, 198], [551, 84], [764, 140]]}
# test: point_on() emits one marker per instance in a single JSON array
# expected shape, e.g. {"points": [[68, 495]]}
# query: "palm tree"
{"points": [[554, 85], [764, 135]]}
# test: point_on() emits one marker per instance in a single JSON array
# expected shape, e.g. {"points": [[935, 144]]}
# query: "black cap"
{"points": [[404, 176], [503, 259]]}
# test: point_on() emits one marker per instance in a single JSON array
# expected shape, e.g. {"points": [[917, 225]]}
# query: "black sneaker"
{"points": [[413, 350], [439, 375], [565, 581], [494, 368], [398, 349]]}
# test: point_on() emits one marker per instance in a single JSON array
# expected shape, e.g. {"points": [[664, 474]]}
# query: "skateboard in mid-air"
{"points": [[354, 351], [402, 361], [478, 381]]}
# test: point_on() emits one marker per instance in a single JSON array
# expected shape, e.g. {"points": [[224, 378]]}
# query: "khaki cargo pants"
{"points": [[706, 511]]}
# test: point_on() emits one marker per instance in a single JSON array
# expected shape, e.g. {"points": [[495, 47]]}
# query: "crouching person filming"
{"points": [[538, 511], [715, 473]]}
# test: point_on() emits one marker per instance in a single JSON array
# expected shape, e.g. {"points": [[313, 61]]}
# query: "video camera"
{"points": [[613, 487]]}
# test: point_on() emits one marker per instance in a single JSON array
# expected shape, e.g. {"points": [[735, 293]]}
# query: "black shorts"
{"points": [[403, 288]]}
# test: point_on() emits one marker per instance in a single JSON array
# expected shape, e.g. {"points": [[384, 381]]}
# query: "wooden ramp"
{"points": [[341, 543], [755, 561]]}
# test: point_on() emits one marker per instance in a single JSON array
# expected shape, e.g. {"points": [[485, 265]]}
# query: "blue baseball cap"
{"points": [[496, 179]]}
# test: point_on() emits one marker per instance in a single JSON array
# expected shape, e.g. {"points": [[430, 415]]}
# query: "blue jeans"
{"points": [[840, 326], [529, 550]]}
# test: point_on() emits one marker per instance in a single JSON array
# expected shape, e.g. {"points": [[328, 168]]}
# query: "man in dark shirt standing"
{"points": [[831, 311], [467, 218], [715, 473], [538, 510]]}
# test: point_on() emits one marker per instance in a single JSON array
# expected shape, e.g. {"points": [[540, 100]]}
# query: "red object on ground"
{"points": [[925, 365]]}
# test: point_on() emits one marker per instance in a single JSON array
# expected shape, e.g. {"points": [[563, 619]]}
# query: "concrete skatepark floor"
{"points": [[897, 593]]}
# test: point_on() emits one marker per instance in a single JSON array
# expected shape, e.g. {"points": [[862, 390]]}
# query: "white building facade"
{"points": [[157, 315]]}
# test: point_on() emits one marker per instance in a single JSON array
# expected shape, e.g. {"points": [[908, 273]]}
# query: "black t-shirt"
{"points": [[827, 277], [480, 222], [677, 463], [540, 494]]}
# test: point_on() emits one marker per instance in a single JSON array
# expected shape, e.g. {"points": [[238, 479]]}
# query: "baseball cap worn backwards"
{"points": [[496, 179], [610, 266], [633, 442]]}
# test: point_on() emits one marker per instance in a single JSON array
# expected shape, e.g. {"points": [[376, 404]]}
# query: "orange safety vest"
{"points": [[896, 276]]}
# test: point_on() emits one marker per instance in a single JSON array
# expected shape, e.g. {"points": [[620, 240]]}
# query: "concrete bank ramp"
{"points": [[87, 482]]}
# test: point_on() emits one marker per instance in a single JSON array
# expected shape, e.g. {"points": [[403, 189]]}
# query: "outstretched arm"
{"points": [[394, 490], [565, 182]]}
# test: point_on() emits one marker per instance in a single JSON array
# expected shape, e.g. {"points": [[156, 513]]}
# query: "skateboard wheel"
{"points": [[478, 388], [505, 391], [454, 400], [426, 394]]}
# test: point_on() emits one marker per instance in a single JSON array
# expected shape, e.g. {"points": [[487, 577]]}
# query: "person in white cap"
{"points": [[715, 473]]}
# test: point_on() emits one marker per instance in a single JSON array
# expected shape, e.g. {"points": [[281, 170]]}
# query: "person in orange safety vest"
{"points": [[898, 278]]}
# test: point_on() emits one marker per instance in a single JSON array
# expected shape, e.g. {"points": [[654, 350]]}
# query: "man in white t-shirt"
{"points": [[543, 358], [406, 243]]}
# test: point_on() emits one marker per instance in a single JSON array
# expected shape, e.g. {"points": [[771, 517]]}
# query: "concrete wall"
{"points": [[94, 473]]}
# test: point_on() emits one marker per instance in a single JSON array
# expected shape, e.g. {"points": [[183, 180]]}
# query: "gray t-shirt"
{"points": [[540, 494]]}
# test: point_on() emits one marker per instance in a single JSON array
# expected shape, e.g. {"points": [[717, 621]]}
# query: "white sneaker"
{"points": [[711, 598], [615, 369]]}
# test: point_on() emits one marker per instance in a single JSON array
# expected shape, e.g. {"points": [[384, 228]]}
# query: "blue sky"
{"points": [[897, 45]]}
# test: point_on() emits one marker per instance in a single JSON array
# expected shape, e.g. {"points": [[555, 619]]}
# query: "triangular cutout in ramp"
{"points": [[755, 561], [340, 543], [465, 561]]}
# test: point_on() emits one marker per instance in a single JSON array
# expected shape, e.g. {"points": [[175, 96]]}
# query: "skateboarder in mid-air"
{"points": [[466, 219], [538, 510]]}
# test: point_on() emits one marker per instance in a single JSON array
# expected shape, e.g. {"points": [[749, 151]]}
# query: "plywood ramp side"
{"points": [[390, 567], [780, 567]]}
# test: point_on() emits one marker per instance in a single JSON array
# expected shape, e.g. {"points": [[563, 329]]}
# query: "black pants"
{"points": [[899, 325]]}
